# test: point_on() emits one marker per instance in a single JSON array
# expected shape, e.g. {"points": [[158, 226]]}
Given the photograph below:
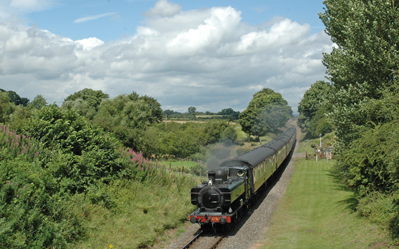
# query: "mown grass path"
{"points": [[315, 213]]}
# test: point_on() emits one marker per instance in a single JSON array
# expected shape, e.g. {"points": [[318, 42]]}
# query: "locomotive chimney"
{"points": [[211, 176]]}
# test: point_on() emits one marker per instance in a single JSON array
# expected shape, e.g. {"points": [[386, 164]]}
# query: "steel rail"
{"points": [[217, 242], [192, 240]]}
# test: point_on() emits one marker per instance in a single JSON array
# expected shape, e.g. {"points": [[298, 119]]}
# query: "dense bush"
{"points": [[86, 154], [34, 212], [50, 190], [371, 162]]}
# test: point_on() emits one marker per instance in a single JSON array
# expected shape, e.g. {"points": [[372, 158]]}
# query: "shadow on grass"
{"points": [[350, 202]]}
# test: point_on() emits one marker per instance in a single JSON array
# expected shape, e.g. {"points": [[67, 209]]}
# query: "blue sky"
{"points": [[119, 18], [208, 54]]}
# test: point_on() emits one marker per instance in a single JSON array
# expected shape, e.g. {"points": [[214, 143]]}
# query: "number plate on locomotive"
{"points": [[215, 219]]}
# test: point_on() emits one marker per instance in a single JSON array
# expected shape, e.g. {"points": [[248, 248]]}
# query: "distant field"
{"points": [[315, 213], [209, 116], [240, 133]]}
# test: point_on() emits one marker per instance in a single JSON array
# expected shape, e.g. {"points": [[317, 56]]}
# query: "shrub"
{"points": [[370, 163], [34, 212]]}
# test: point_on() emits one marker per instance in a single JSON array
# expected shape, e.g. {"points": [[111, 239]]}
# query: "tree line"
{"points": [[192, 113], [136, 121], [359, 102]]}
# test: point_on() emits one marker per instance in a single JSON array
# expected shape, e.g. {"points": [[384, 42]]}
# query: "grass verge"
{"points": [[142, 212], [315, 213]]}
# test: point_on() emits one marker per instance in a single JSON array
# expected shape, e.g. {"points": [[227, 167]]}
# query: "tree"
{"points": [[6, 107], [81, 106], [260, 115], [191, 110], [92, 97], [168, 112], [363, 71], [38, 102], [230, 112], [315, 102], [155, 108], [128, 117], [15, 98], [91, 154], [365, 60]]}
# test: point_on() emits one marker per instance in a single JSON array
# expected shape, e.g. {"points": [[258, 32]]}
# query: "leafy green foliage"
{"points": [[15, 98], [371, 161], [92, 97], [34, 214], [313, 107], [187, 140], [365, 60], [39, 209], [88, 154], [191, 110], [366, 33], [55, 181], [319, 124], [267, 111], [363, 72], [6, 107], [38, 102]]}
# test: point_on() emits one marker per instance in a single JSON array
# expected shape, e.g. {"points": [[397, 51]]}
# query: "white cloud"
{"points": [[90, 43], [94, 17], [32, 5], [10, 9], [205, 58], [163, 8]]}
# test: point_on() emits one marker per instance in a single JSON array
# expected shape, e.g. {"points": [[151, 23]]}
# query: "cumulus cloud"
{"points": [[163, 8], [89, 43], [94, 17], [205, 58]]}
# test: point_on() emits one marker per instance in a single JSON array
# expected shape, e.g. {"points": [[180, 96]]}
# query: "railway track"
{"points": [[205, 241]]}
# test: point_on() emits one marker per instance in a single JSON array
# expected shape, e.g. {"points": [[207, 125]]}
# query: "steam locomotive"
{"points": [[233, 186]]}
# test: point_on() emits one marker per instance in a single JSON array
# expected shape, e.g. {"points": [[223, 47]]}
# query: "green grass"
{"points": [[315, 213], [143, 212], [240, 134], [306, 146], [268, 137]]}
